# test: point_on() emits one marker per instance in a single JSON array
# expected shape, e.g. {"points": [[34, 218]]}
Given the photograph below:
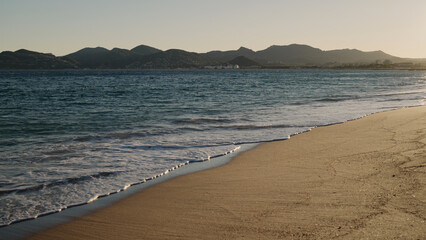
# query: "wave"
{"points": [[340, 98], [337, 98], [165, 147], [71, 180], [329, 98], [202, 120], [165, 131], [389, 94], [256, 127], [123, 135]]}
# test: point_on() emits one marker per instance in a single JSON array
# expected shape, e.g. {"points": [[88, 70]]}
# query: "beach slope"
{"points": [[361, 179]]}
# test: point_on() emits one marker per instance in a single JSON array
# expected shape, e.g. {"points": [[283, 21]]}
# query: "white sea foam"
{"points": [[93, 199]]}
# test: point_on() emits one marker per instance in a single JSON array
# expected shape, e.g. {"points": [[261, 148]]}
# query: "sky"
{"points": [[397, 27]]}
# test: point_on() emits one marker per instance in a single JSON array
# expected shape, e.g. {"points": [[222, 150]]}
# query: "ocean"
{"points": [[68, 137]]}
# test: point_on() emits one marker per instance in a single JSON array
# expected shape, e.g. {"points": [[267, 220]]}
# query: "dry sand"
{"points": [[364, 179]]}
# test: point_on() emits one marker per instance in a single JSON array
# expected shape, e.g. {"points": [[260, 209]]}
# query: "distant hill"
{"points": [[221, 57], [173, 58], [102, 58], [143, 57], [303, 55], [244, 62], [144, 50], [24, 59]]}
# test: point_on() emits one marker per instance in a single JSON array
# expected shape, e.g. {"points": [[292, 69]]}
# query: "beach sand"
{"points": [[364, 179]]}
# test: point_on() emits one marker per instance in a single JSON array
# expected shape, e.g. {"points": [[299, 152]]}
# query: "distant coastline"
{"points": [[294, 56]]}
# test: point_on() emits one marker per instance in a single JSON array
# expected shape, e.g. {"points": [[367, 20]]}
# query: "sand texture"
{"points": [[364, 179]]}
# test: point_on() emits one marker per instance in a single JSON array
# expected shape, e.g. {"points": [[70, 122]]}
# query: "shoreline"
{"points": [[24, 228], [27, 227], [362, 178], [81, 209]]}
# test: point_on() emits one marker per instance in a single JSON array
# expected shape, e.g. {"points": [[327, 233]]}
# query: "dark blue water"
{"points": [[69, 136]]}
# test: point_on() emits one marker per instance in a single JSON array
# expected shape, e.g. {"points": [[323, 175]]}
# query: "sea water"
{"points": [[67, 137]]}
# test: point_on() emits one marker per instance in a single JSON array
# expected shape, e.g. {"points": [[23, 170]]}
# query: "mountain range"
{"points": [[146, 57]]}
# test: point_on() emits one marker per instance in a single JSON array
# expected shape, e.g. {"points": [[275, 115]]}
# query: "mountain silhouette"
{"points": [[173, 58], [102, 58], [24, 59], [146, 57], [144, 50], [220, 57], [244, 62]]}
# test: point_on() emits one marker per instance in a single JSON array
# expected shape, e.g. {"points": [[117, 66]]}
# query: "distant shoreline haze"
{"points": [[146, 57]]}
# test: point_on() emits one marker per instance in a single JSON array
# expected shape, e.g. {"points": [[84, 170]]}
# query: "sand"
{"points": [[364, 179]]}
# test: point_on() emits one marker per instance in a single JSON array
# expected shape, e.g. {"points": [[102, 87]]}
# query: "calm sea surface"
{"points": [[69, 136]]}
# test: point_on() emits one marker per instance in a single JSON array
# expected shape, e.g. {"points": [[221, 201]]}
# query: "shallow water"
{"points": [[69, 136]]}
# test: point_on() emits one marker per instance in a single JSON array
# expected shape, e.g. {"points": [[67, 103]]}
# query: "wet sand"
{"points": [[361, 179]]}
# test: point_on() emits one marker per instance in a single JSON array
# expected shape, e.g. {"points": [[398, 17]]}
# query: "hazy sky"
{"points": [[64, 26]]}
